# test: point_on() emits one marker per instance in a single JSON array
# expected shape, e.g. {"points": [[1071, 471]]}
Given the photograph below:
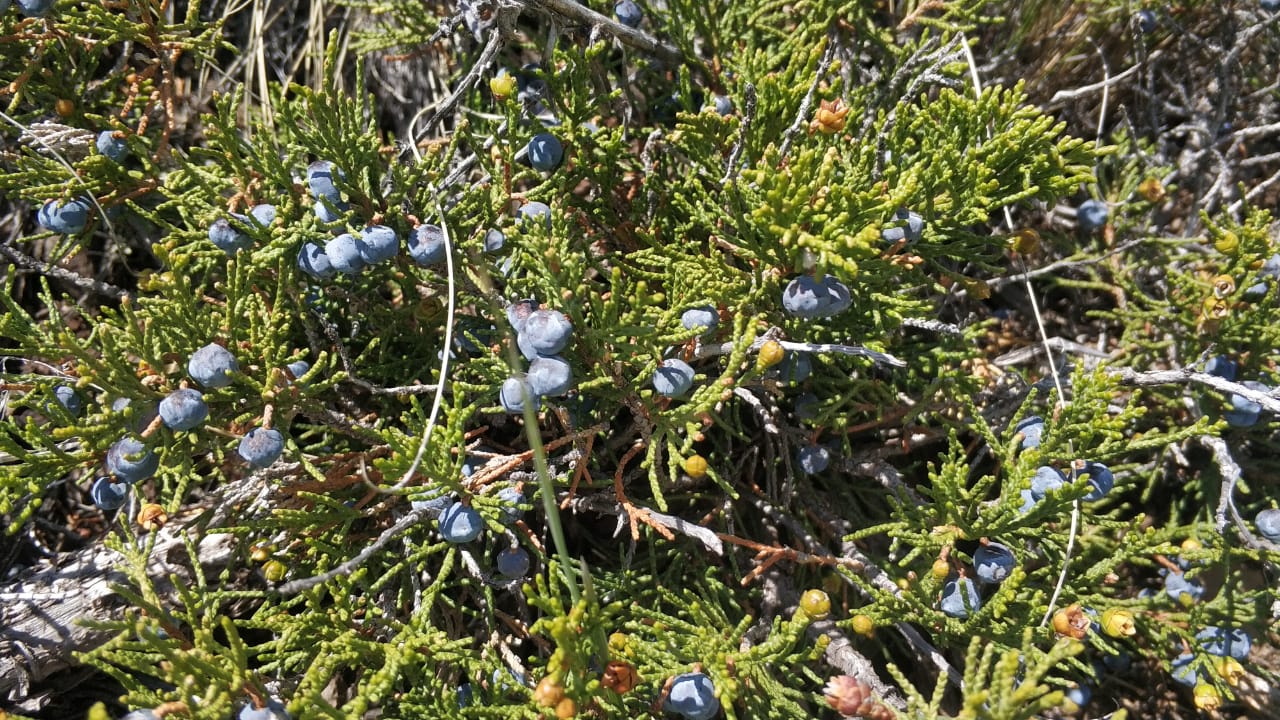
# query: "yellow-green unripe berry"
{"points": [[1207, 697], [1227, 244], [816, 604], [864, 625], [695, 466], [1118, 622], [502, 86], [771, 353], [274, 570]]}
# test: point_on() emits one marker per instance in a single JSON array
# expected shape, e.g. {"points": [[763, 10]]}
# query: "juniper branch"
{"points": [[1230, 471], [1182, 376], [410, 519], [96, 286], [632, 37]]}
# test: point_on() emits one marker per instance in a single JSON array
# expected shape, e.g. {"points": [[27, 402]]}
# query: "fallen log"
{"points": [[42, 608]]}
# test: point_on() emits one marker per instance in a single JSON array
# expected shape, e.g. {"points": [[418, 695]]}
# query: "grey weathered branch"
{"points": [[84, 283], [705, 351], [631, 37], [1183, 376], [1056, 344], [42, 608], [606, 504], [1230, 471]]}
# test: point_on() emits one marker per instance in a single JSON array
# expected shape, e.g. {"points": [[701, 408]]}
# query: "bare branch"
{"points": [[583, 15], [1183, 376]]}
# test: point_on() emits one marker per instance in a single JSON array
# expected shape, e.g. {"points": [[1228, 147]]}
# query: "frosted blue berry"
{"points": [[210, 366], [67, 218], [68, 398], [514, 390], [1268, 524], [227, 238], [108, 494], [545, 333], [960, 597], [140, 419], [1146, 21], [1101, 480], [1077, 697], [907, 225], [472, 463], [993, 562], [130, 460], [530, 88], [141, 715], [511, 499], [806, 406], [813, 459], [1031, 428], [1220, 641], [1045, 480], [298, 368], [379, 243], [692, 695], [1270, 267], [460, 523], [628, 13], [1182, 671], [545, 152], [313, 261], [320, 178], [433, 504], [1223, 367], [519, 311], [506, 680], [550, 376], [263, 215], [808, 297], [261, 447], [183, 409], [34, 8], [329, 211], [1091, 215], [703, 318], [1245, 412], [273, 710], [1028, 501], [673, 378], [530, 213], [1117, 663], [426, 245], [113, 148], [513, 562], [345, 254], [494, 240], [723, 105], [1178, 587]]}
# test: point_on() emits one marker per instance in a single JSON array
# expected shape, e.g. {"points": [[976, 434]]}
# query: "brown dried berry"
{"points": [[152, 517], [620, 676], [1072, 622]]}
